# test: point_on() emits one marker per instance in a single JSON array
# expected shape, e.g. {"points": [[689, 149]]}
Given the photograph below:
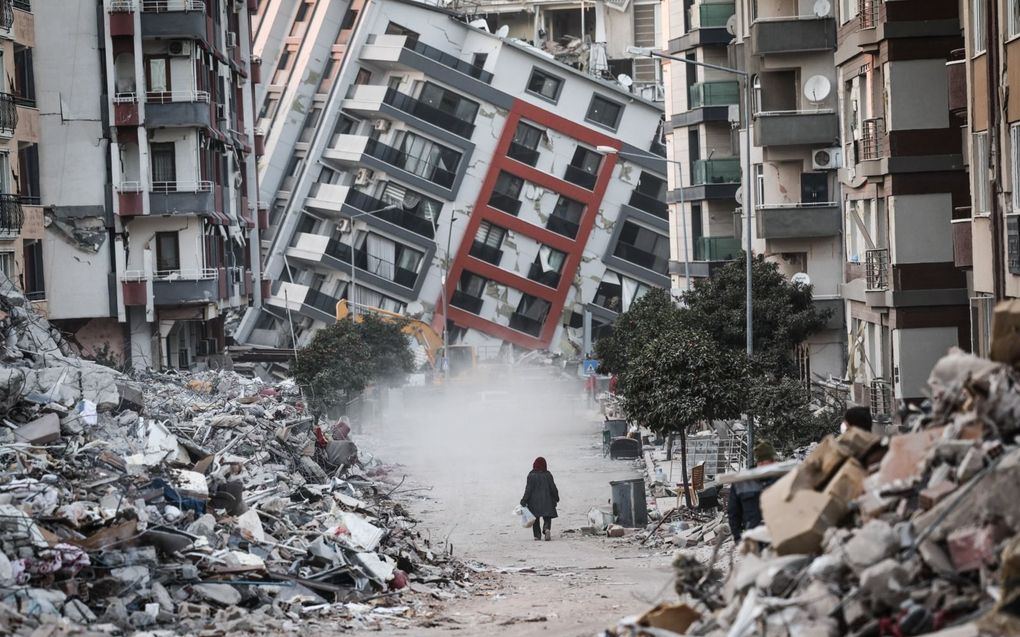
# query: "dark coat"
{"points": [[744, 508], [541, 495]]}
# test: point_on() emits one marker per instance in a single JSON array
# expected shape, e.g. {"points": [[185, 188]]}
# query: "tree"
{"points": [[682, 377], [344, 358], [784, 414], [648, 316]]}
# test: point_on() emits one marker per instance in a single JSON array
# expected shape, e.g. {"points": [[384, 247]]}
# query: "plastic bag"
{"points": [[527, 517]]}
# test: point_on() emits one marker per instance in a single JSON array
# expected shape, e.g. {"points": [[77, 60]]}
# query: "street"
{"points": [[475, 454]]}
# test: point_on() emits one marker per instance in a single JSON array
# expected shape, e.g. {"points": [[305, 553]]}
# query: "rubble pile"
{"points": [[911, 534], [206, 503]]}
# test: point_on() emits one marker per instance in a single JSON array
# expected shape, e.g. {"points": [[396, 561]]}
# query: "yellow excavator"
{"points": [[462, 357]]}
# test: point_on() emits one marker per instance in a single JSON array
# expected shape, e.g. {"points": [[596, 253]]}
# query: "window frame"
{"points": [[1012, 19], [1014, 156], [619, 113], [980, 172], [979, 35], [547, 76]]}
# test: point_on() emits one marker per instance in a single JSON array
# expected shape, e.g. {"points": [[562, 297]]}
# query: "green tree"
{"points": [[784, 415], [647, 317], [344, 358]]}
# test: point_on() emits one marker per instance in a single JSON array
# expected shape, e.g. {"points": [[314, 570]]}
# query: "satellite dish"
{"points": [[415, 308], [823, 9], [731, 25], [480, 24], [817, 88], [801, 278], [624, 80], [503, 31], [739, 194]]}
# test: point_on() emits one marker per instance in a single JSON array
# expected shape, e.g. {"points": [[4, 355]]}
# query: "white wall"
{"points": [[190, 239]]}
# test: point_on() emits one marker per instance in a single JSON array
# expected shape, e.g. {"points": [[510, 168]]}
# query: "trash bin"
{"points": [[629, 502], [616, 428]]}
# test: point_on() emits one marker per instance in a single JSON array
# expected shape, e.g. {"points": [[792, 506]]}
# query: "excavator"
{"points": [[426, 340]]}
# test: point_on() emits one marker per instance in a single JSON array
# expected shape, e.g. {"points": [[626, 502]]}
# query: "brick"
{"points": [[848, 483], [970, 548], [933, 495], [905, 455]]}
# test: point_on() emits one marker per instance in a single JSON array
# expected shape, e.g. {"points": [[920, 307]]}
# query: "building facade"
{"points": [[445, 153], [150, 190]]}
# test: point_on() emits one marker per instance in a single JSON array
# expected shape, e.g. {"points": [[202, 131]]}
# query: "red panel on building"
{"points": [[125, 114], [122, 23], [223, 282], [573, 248], [130, 204], [260, 144], [134, 292]]}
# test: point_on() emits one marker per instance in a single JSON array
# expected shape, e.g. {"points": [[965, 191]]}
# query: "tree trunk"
{"points": [[683, 467], [669, 447]]}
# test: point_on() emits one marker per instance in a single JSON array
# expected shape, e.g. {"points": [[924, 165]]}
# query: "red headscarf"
{"points": [[539, 464]]}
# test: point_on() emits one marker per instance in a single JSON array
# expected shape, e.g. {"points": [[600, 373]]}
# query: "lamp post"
{"points": [[609, 150], [748, 194]]}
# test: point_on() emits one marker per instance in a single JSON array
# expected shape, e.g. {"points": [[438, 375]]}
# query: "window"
{"points": [[471, 284], [5, 172], [308, 224], [284, 66], [311, 120], [413, 203], [506, 193], [350, 18], [979, 37], [490, 235], [24, 75], [643, 247], [528, 136], [1014, 157], [35, 281], [328, 73], [302, 12], [364, 76], [545, 85], [427, 159], [7, 265], [395, 29], [164, 166], [344, 126], [157, 74], [448, 102], [759, 184], [269, 108], [168, 252], [566, 217], [547, 266], [530, 315], [1013, 7], [291, 174], [587, 160], [979, 169], [478, 59], [28, 174], [604, 112]]}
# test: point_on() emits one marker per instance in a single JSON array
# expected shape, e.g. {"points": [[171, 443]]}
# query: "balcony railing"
{"points": [[11, 215], [522, 154], [867, 11], [167, 97], [880, 398], [400, 159], [714, 94], [507, 203], [321, 302], [648, 203], [466, 302], [173, 186], [164, 6], [430, 114], [173, 274], [372, 264], [715, 14], [8, 113], [871, 139], [716, 248], [580, 177], [393, 213], [525, 324], [548, 278], [562, 226], [716, 171], [638, 256], [877, 269], [450, 61], [485, 252]]}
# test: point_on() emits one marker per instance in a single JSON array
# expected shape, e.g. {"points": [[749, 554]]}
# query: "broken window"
{"points": [[530, 315], [545, 85]]}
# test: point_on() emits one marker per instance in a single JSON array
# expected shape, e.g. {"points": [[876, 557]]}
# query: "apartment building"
{"points": [[787, 48], [986, 232], [21, 217], [703, 107], [449, 158], [150, 187], [902, 180]]}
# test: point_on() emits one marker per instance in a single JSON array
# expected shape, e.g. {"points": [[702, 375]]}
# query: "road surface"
{"points": [[474, 446]]}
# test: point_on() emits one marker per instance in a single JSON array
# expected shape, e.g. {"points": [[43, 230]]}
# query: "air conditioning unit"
{"points": [[381, 125], [231, 40], [180, 48], [827, 158], [364, 177]]}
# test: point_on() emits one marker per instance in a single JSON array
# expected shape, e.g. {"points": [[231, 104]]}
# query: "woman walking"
{"points": [[541, 498]]}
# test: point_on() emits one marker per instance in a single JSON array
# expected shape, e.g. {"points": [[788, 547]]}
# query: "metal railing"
{"points": [[6, 15], [430, 114], [485, 252], [880, 399], [870, 145], [12, 217], [808, 205], [876, 266], [24, 5], [580, 176], [526, 324], [548, 278], [125, 97], [166, 97], [637, 256], [716, 171], [507, 203], [8, 112], [164, 6], [121, 6], [180, 274], [372, 264], [723, 93], [650, 204], [450, 61], [178, 186], [522, 154], [424, 168], [388, 211], [466, 302], [867, 11], [563, 226]]}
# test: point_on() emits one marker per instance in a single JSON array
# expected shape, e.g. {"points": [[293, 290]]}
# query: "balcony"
{"points": [[8, 114], [390, 212], [548, 278], [713, 15], [176, 108], [507, 203], [526, 324], [347, 149], [648, 203], [449, 61], [178, 287], [717, 248], [580, 177], [320, 302], [430, 114], [715, 171], [876, 269], [178, 197], [174, 19], [657, 147], [703, 94], [799, 221], [870, 145], [372, 264], [485, 252], [562, 226], [796, 128], [639, 257], [422, 168], [466, 302], [12, 217], [522, 154], [792, 34], [956, 76]]}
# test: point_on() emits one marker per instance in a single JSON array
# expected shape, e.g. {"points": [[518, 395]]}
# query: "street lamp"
{"points": [[748, 192], [609, 150]]}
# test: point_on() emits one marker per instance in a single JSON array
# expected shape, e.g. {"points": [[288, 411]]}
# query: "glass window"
{"points": [[471, 284], [510, 185], [311, 120], [490, 235], [587, 160], [979, 169], [164, 165], [604, 112], [7, 265], [168, 252], [568, 209], [528, 136], [1014, 152], [449, 102], [427, 159], [545, 85], [979, 39]]}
